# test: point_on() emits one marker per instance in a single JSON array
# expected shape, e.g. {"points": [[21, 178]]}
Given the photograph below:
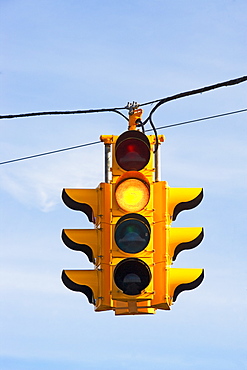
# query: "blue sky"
{"points": [[65, 55]]}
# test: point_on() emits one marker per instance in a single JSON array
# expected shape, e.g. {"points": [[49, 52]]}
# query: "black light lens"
{"points": [[132, 233], [132, 276], [132, 151]]}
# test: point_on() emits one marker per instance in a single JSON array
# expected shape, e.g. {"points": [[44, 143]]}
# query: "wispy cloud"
{"points": [[39, 183]]}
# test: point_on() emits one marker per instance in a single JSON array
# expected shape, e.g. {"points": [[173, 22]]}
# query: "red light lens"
{"points": [[132, 151]]}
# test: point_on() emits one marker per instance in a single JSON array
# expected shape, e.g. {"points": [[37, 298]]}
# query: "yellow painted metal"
{"points": [[182, 279], [104, 203], [84, 200], [183, 198], [98, 240], [133, 308], [170, 282], [78, 239], [133, 117], [168, 242], [108, 139], [88, 278], [105, 301], [87, 236], [160, 202], [86, 282], [171, 201], [160, 299], [182, 238], [89, 282], [96, 203]]}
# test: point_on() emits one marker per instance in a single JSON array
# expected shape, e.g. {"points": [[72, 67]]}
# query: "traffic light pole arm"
{"points": [[108, 140], [108, 163], [157, 164]]}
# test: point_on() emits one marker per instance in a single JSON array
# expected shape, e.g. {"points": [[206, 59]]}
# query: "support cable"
{"points": [[97, 142]]}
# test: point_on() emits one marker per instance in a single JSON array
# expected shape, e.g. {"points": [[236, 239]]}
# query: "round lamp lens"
{"points": [[132, 154], [132, 276], [132, 236], [132, 195]]}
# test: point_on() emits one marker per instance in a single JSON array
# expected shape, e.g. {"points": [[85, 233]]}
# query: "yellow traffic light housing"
{"points": [[133, 244]]}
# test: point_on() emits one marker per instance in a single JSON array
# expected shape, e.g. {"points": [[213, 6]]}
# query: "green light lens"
{"points": [[132, 235]]}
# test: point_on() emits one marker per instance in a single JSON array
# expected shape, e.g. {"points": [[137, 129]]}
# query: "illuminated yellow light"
{"points": [[132, 195]]}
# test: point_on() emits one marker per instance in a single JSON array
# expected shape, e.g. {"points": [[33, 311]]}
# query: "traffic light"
{"points": [[133, 244]]}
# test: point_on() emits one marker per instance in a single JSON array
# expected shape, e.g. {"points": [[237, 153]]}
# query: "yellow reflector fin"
{"points": [[84, 200], [85, 281], [182, 238], [181, 199], [85, 241], [184, 279]]}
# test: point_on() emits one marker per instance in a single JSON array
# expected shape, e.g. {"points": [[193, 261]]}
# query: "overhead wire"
{"points": [[234, 81], [128, 106], [116, 110], [199, 119], [84, 111], [47, 153], [184, 94], [97, 142]]}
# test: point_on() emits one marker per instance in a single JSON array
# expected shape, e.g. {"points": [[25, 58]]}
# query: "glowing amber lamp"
{"points": [[132, 191]]}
